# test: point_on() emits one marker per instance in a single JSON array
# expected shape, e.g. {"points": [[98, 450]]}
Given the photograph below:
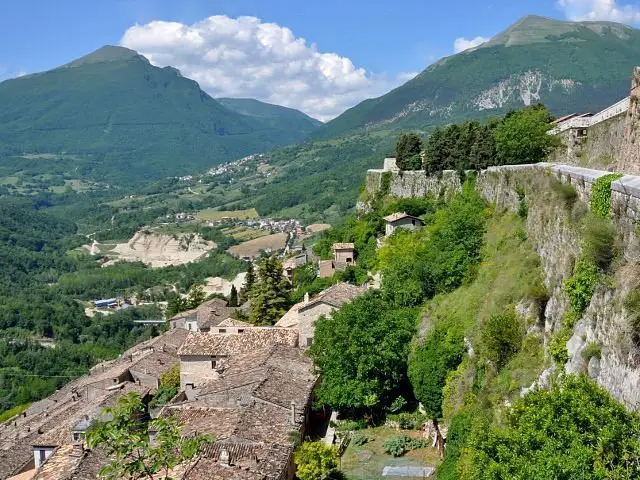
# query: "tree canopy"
{"points": [[573, 430], [361, 353], [408, 149]]}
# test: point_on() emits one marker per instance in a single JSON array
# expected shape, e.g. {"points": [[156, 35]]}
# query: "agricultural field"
{"points": [[212, 215], [243, 234], [253, 248]]}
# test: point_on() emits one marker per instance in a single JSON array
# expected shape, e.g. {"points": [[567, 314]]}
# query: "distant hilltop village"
{"points": [[608, 139]]}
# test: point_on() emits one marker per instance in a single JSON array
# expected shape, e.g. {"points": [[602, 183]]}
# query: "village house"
{"points": [[204, 356], [253, 409], [401, 220], [290, 264], [203, 318], [303, 315], [344, 255], [39, 443]]}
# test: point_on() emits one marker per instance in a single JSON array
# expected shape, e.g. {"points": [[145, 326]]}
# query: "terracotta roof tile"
{"points": [[336, 296], [222, 344]]}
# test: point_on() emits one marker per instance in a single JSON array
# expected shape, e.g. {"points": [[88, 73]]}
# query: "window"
{"points": [[222, 330], [241, 330], [309, 341], [413, 222], [213, 363], [189, 385], [77, 436], [188, 326], [42, 456]]}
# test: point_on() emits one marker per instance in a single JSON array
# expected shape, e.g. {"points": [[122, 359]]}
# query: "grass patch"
{"points": [[211, 214]]}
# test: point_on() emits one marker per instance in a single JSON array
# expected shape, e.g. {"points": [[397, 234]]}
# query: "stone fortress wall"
{"points": [[557, 238]]}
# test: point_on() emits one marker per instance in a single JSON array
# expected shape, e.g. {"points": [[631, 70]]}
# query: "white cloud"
{"points": [[612, 10], [245, 57], [461, 44]]}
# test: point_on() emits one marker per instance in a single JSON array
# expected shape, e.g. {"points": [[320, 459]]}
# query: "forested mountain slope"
{"points": [[570, 67], [124, 120]]}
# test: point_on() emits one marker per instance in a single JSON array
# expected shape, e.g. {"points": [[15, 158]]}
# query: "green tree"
{"points": [[176, 305], [361, 353], [233, 297], [196, 296], [408, 148], [126, 441], [270, 294], [315, 460], [249, 282], [429, 365], [502, 338], [575, 430], [522, 136]]}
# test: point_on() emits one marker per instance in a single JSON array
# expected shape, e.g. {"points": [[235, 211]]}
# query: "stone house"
{"points": [[203, 318], [401, 220], [251, 409], [303, 315], [289, 265], [203, 357], [344, 255]]}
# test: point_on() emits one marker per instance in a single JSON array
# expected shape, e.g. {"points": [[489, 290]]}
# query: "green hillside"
{"points": [[280, 116], [122, 120], [567, 66]]}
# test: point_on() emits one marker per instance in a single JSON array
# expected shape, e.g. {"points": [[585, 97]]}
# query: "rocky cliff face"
{"points": [[555, 229]]}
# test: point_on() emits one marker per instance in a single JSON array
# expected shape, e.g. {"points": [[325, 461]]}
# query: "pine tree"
{"points": [[408, 150], [270, 295], [196, 296], [249, 282], [233, 297]]}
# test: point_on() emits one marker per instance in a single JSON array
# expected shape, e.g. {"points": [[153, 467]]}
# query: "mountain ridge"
{"points": [[127, 120], [569, 66]]}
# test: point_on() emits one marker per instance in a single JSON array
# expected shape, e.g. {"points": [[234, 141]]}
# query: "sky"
{"points": [[321, 57]]}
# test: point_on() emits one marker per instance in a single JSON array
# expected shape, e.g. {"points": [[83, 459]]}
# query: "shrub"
{"points": [[396, 446], [558, 346], [523, 208], [359, 439], [408, 421], [581, 285], [401, 444], [502, 338], [565, 191], [398, 404], [632, 305], [591, 350], [601, 195], [599, 236], [349, 425]]}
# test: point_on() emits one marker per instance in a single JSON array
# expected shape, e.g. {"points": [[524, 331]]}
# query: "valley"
{"points": [[441, 282]]}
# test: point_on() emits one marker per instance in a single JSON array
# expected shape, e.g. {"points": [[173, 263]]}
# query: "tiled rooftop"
{"points": [[398, 216], [252, 339], [336, 296], [344, 246]]}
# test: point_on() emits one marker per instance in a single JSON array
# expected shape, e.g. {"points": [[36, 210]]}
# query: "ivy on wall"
{"points": [[601, 195]]}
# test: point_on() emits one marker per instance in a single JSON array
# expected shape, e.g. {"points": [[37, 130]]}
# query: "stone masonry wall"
{"points": [[601, 148]]}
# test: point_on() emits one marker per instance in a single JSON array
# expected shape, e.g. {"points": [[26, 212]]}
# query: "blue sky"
{"points": [[384, 41]]}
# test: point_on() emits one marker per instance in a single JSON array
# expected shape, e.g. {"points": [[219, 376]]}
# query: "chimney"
{"points": [[224, 457], [77, 450], [293, 413], [306, 298]]}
